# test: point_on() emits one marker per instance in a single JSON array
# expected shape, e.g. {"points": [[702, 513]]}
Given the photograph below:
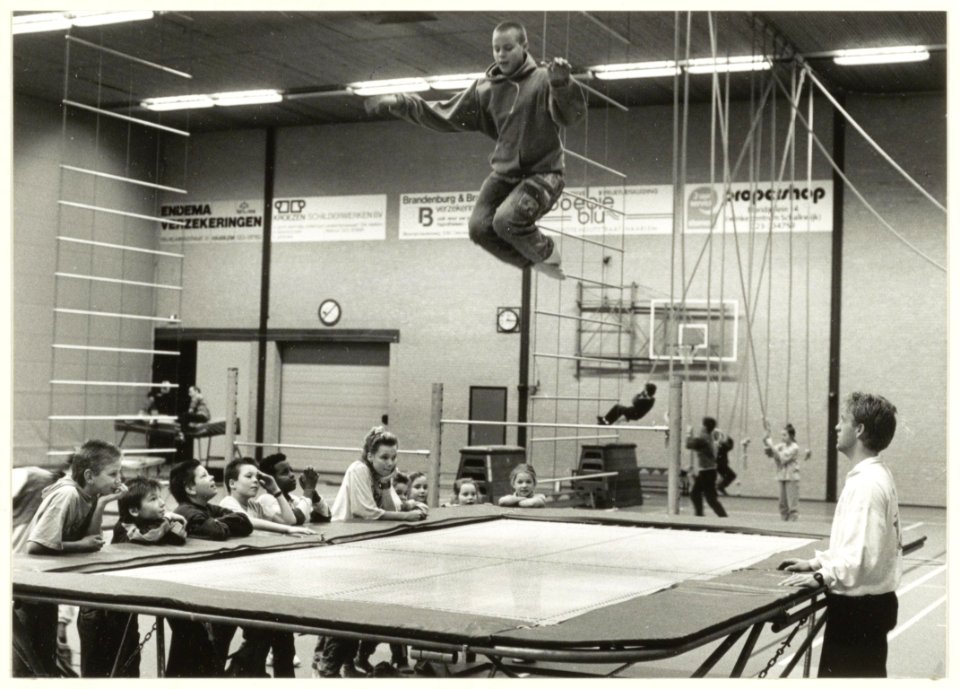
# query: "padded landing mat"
{"points": [[534, 573]]}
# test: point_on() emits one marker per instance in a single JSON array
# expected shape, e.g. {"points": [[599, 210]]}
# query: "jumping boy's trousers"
{"points": [[504, 218]]}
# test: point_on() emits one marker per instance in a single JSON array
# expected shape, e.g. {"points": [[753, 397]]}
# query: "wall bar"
{"points": [[572, 318], [160, 352], [621, 364], [570, 437], [572, 398], [109, 383], [112, 417], [132, 58], [594, 163], [96, 278], [83, 312], [126, 118], [123, 451], [530, 424], [598, 94], [131, 180], [423, 453], [121, 247], [127, 214], [593, 202], [620, 37], [595, 282], [580, 238]]}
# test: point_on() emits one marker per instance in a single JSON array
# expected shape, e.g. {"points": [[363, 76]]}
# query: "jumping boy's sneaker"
{"points": [[551, 265]]}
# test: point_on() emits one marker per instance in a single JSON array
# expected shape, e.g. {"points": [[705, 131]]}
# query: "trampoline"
{"points": [[554, 586]]}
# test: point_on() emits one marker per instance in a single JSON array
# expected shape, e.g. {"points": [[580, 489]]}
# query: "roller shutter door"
{"points": [[330, 402]]}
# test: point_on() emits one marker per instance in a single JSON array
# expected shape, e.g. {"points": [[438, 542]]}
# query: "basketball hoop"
{"points": [[685, 353]]}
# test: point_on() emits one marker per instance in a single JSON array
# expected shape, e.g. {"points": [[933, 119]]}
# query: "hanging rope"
{"points": [[806, 329], [869, 140], [714, 81], [856, 192]]}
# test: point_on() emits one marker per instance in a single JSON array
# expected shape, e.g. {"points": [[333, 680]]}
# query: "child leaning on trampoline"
{"points": [[521, 106], [68, 520], [523, 480], [366, 493]]}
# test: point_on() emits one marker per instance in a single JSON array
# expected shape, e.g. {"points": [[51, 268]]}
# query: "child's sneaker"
{"points": [[363, 665], [551, 265], [350, 670]]}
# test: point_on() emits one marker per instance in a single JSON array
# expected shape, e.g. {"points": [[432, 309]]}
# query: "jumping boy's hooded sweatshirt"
{"points": [[523, 113]]}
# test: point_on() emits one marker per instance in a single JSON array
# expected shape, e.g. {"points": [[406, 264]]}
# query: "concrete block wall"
{"points": [[442, 294], [43, 140]]}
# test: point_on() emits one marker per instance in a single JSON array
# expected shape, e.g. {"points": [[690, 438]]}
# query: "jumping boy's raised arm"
{"points": [[567, 102], [461, 113]]}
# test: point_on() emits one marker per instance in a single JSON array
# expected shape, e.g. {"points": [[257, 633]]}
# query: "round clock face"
{"points": [[329, 312], [508, 320]]}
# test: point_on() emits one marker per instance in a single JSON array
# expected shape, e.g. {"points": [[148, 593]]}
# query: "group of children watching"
{"points": [[259, 496]]}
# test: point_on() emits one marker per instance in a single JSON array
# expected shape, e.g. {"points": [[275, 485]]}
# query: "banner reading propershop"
{"points": [[640, 210]]}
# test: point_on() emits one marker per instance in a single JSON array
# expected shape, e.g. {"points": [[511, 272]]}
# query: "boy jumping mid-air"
{"points": [[522, 107]]}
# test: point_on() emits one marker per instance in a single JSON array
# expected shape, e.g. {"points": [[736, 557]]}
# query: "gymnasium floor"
{"points": [[917, 645]]}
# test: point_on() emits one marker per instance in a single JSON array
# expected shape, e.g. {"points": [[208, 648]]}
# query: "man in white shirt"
{"points": [[862, 566]]}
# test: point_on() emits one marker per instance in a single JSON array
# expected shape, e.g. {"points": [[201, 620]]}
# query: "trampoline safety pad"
{"points": [[535, 573]]}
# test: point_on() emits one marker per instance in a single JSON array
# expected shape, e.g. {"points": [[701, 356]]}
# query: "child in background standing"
{"points": [[465, 492], [243, 479], [704, 468], [786, 455], [365, 493], [199, 649], [270, 511], [104, 634], [523, 480], [401, 484], [309, 507], [419, 487], [398, 652], [69, 520]]}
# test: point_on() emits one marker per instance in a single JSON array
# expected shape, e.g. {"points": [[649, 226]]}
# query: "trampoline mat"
{"points": [[531, 572]]}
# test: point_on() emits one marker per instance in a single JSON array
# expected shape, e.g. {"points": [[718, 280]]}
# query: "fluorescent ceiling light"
{"points": [[178, 103], [45, 21], [229, 98], [745, 63], [100, 18], [385, 86], [636, 70], [879, 56], [203, 100], [60, 21], [453, 82]]}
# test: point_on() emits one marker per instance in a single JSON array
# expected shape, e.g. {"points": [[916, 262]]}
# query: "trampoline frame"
{"points": [[794, 608]]}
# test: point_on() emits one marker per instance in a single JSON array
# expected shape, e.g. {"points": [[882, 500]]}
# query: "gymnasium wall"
{"points": [[894, 322], [442, 295], [42, 141]]}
